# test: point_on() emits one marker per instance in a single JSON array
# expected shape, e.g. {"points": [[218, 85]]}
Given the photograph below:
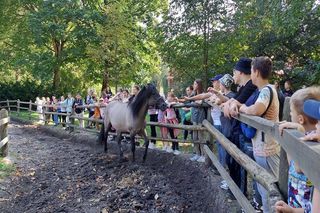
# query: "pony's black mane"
{"points": [[139, 100]]}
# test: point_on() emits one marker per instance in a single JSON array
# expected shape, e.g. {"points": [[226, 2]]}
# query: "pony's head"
{"points": [[155, 98], [147, 95]]}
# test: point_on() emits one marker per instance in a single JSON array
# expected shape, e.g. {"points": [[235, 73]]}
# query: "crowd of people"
{"points": [[255, 95], [76, 106]]}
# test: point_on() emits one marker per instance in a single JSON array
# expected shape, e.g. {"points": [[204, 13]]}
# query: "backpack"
{"points": [[247, 130]]}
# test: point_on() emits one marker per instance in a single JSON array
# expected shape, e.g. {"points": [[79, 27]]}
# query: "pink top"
{"points": [[171, 114]]}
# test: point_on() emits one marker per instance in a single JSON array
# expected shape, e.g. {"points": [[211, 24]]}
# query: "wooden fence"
{"points": [[307, 154], [4, 120]]}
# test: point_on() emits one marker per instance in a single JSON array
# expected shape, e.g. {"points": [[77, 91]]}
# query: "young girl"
{"points": [[300, 188], [163, 130], [171, 118]]}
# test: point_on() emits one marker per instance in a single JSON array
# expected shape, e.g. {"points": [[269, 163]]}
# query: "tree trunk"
{"points": [[205, 47], [56, 77], [57, 47], [106, 77]]}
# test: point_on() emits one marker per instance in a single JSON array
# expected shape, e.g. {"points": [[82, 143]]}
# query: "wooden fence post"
{"points": [[8, 106], [209, 139], [30, 109], [18, 107], [4, 134], [283, 166]]}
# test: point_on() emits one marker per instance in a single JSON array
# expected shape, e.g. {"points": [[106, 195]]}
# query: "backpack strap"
{"points": [[265, 112], [270, 102]]}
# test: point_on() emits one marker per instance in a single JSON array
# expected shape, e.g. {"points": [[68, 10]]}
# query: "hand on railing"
{"points": [[313, 136], [290, 125]]}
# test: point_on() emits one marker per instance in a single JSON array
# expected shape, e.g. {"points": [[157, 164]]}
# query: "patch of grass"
{"points": [[24, 115], [5, 168]]}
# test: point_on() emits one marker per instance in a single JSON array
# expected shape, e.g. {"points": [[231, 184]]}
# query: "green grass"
{"points": [[5, 168], [24, 115]]}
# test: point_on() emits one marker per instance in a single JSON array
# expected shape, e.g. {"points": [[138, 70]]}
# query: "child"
{"points": [[171, 118], [299, 186], [97, 113], [163, 130]]}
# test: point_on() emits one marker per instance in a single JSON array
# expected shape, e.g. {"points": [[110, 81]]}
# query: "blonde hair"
{"points": [[300, 96]]}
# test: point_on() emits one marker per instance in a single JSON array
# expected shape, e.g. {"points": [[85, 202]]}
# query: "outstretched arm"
{"points": [[199, 97]]}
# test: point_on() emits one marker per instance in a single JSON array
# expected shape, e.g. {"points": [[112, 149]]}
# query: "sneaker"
{"points": [[195, 157], [164, 148], [169, 150], [151, 146], [256, 205], [223, 182], [224, 186], [176, 152], [201, 159]]}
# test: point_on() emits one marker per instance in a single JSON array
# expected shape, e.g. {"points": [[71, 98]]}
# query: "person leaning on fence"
{"points": [[78, 111], [186, 114], [89, 101], [97, 112], [68, 104], [265, 148], [300, 187], [198, 114], [47, 109], [226, 129], [171, 118], [63, 109], [242, 78], [39, 109], [55, 109], [311, 108], [52, 108]]}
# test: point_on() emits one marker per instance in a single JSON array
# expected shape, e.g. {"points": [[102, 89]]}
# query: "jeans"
{"points": [[55, 119], [265, 162], [222, 152]]}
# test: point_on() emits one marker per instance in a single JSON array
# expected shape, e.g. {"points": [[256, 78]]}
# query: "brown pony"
{"points": [[130, 117]]}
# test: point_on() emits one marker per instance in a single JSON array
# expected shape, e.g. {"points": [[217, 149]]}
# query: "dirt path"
{"points": [[61, 175]]}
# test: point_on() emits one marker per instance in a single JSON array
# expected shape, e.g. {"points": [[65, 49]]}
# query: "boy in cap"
{"points": [[311, 108]]}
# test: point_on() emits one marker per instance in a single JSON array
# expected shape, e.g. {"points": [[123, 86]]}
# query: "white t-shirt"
{"points": [[215, 115], [263, 144]]}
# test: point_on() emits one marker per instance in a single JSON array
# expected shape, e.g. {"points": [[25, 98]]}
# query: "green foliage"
{"points": [[25, 91], [286, 31], [73, 45], [5, 168]]}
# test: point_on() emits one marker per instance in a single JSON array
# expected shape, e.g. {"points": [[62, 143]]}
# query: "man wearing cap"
{"points": [[241, 77]]}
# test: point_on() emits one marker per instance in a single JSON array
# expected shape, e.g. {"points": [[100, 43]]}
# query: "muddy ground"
{"points": [[62, 174]]}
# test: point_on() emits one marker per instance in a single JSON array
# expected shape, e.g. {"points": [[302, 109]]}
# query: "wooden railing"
{"points": [[4, 120], [306, 154]]}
